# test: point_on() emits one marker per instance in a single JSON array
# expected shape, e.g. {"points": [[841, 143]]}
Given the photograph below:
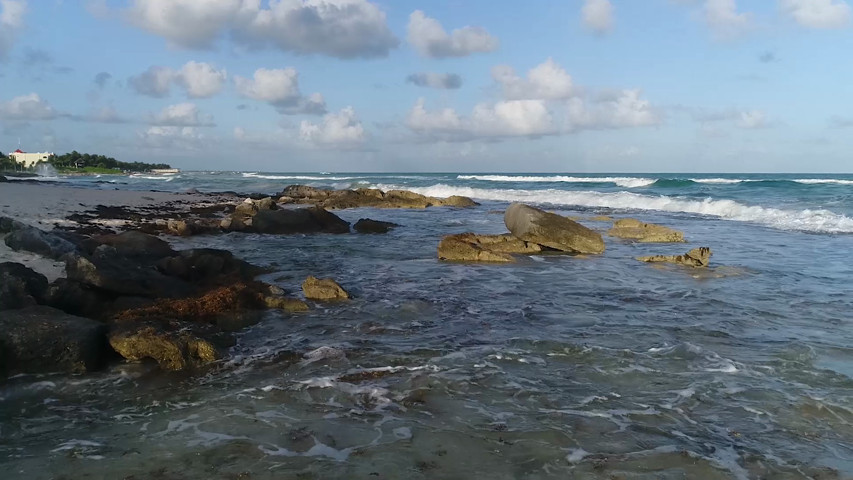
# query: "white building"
{"points": [[29, 159]]}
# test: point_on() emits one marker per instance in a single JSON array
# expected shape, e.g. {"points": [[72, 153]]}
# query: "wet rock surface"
{"points": [[471, 247], [368, 197], [551, 230], [173, 344], [367, 225], [20, 286], [698, 257], [633, 229], [323, 289]]}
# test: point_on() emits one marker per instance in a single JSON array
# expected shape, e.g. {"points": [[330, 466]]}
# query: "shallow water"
{"points": [[554, 367]]}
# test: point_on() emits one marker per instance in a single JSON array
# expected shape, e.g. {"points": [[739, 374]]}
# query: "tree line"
{"points": [[77, 160]]}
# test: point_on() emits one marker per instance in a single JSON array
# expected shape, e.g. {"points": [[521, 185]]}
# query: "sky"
{"points": [[433, 86]]}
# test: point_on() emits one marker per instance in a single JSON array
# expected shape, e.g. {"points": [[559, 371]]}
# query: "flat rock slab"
{"points": [[471, 247], [551, 230], [633, 229], [698, 257]]}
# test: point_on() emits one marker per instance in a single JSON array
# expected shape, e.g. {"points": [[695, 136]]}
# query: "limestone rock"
{"points": [[303, 220], [632, 229], [551, 230], [172, 344], [366, 225], [470, 247], [42, 339], [195, 226], [323, 289], [698, 257], [368, 197], [287, 304], [20, 286]]}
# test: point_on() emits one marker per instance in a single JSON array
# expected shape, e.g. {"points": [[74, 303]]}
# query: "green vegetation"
{"points": [[88, 163], [7, 164]]}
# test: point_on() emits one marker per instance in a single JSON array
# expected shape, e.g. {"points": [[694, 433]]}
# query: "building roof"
{"points": [[19, 151]]}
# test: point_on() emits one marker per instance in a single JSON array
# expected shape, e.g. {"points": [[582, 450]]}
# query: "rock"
{"points": [[632, 229], [250, 207], [108, 271], [698, 257], [324, 353], [133, 243], [323, 289], [42, 339], [78, 299], [172, 344], [455, 201], [3, 179], [470, 247], [291, 305], [195, 226], [201, 308], [601, 218], [368, 197], [551, 230], [208, 266], [366, 225], [303, 220], [20, 286], [31, 239]]}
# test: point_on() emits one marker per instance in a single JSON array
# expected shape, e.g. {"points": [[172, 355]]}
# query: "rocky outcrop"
{"points": [[78, 299], [551, 230], [134, 244], [323, 289], [368, 197], [698, 257], [366, 225], [174, 345], [302, 220], [207, 266], [20, 286], [31, 239], [470, 247], [106, 270], [193, 226], [633, 229], [42, 339]]}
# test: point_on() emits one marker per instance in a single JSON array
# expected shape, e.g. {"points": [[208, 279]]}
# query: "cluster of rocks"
{"points": [[368, 197], [129, 294]]}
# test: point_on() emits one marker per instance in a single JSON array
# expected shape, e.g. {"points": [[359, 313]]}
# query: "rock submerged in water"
{"points": [[323, 289], [303, 220], [367, 225], [633, 229], [698, 257], [471, 247], [368, 197], [551, 230]]}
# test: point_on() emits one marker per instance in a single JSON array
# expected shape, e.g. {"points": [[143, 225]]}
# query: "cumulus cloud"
{"points": [[103, 115], [198, 79], [724, 20], [102, 78], [11, 22], [546, 81], [510, 118], [27, 107], [597, 15], [622, 109], [182, 115], [435, 80], [818, 13], [430, 39], [187, 138], [280, 88], [339, 28], [342, 129]]}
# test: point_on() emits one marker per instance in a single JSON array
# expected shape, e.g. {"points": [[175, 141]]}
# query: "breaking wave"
{"points": [[628, 182], [295, 177]]}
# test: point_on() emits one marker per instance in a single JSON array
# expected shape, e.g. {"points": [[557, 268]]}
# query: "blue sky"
{"points": [[497, 86]]}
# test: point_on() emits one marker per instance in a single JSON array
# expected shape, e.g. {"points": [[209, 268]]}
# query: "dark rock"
{"points": [[31, 239], [108, 271], [174, 345], [3, 179], [303, 220], [366, 225], [551, 230], [133, 243], [20, 286], [43, 339], [207, 265], [76, 298]]}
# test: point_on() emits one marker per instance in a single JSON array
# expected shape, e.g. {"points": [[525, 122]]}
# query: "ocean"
{"points": [[552, 367]]}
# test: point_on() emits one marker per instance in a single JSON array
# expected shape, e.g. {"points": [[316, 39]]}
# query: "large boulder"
{"points": [[20, 286], [108, 271], [323, 289], [551, 230], [367, 225], [633, 229], [470, 247], [174, 345], [698, 257], [207, 266], [31, 239], [42, 339], [302, 220], [133, 243], [76, 298]]}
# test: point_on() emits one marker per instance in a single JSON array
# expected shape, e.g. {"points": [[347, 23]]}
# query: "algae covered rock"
{"points": [[172, 344], [633, 229], [551, 230], [698, 257], [471, 247], [323, 289]]}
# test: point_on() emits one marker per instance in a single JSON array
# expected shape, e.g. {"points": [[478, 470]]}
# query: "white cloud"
{"points": [[340, 129], [186, 138], [104, 115], [182, 115], [435, 80], [748, 119], [724, 20], [201, 80], [510, 118], [597, 15], [547, 81], [280, 88], [11, 22], [752, 119], [623, 109], [26, 107], [154, 82], [339, 28], [431, 40], [818, 13]]}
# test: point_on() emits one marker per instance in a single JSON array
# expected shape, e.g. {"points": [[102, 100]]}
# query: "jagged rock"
{"points": [[287, 304], [368, 197], [133, 243], [196, 226], [207, 266], [20, 286], [633, 229], [31, 239], [78, 299], [201, 308], [323, 289], [470, 247], [302, 220], [250, 207], [551, 230], [42, 339], [366, 225], [108, 271], [698, 257], [174, 345]]}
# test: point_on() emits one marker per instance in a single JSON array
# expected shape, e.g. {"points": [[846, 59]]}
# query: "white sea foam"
{"points": [[295, 177], [628, 182], [723, 181], [822, 221], [835, 181]]}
